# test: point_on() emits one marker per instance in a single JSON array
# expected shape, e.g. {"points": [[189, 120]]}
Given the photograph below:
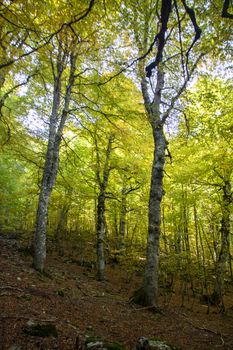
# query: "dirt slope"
{"points": [[70, 298]]}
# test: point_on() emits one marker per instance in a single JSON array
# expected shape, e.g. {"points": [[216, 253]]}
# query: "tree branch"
{"points": [[180, 91], [68, 24], [4, 97], [197, 29], [165, 13], [225, 13]]}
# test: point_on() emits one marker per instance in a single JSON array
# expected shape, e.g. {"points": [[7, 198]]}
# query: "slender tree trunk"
{"points": [[177, 235], [196, 236], [122, 225], [211, 252], [200, 253], [100, 217], [100, 236], [115, 227], [164, 232], [203, 255], [62, 220], [185, 225]]}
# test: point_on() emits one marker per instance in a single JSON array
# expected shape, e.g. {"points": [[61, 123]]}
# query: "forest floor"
{"points": [[70, 298]]}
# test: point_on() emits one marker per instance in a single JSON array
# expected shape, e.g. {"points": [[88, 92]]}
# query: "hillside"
{"points": [[70, 298]]}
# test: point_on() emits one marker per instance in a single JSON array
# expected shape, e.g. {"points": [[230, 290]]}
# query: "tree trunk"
{"points": [[61, 229], [100, 236], [56, 126], [148, 294], [150, 284], [122, 225], [197, 237], [115, 226], [49, 175], [100, 218], [217, 296], [165, 241], [200, 252]]}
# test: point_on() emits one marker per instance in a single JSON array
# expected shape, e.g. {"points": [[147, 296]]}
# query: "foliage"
{"points": [[111, 40]]}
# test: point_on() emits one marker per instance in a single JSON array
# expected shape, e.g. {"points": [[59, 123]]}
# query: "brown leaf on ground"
{"points": [[71, 299]]}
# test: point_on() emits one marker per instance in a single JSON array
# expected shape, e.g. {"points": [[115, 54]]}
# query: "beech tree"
{"points": [[65, 50], [63, 57], [161, 28], [159, 104], [102, 183]]}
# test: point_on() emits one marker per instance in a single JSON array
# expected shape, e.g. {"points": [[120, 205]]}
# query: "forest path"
{"points": [[70, 298]]}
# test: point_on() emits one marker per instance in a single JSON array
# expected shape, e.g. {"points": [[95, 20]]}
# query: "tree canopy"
{"points": [[116, 124]]}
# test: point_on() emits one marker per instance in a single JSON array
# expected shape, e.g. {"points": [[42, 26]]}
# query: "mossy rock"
{"points": [[95, 343], [153, 344], [41, 330]]}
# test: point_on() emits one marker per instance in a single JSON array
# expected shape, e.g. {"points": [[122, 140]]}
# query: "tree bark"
{"points": [[48, 179], [157, 116], [218, 292], [123, 213], [100, 218], [150, 284], [148, 294], [56, 126], [100, 236], [61, 229]]}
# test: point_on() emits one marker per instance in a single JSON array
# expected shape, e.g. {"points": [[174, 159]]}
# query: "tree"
{"points": [[159, 104], [56, 125], [102, 183], [65, 50], [74, 56]]}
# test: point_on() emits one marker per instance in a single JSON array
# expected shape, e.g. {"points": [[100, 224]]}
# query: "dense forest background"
{"points": [[76, 134]]}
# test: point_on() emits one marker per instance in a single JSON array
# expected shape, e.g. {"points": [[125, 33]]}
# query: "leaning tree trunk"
{"points": [[48, 179], [56, 126], [49, 176]]}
